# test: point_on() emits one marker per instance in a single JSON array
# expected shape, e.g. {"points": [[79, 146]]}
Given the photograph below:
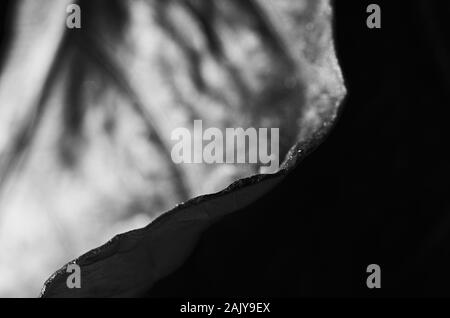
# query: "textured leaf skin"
{"points": [[85, 141]]}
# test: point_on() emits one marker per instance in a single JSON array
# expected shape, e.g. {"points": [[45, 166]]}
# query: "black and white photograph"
{"points": [[224, 155]]}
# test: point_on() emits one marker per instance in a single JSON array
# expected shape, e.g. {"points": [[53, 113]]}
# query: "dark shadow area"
{"points": [[6, 7]]}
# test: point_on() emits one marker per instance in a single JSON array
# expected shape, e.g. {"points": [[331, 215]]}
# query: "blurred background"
{"points": [[86, 114]]}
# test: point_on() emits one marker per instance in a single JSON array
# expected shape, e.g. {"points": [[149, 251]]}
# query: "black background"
{"points": [[375, 192]]}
